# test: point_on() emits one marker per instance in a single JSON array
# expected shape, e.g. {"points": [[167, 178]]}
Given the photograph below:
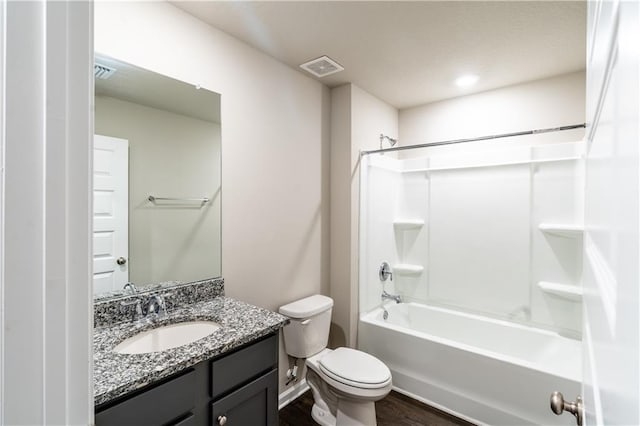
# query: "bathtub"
{"points": [[484, 370]]}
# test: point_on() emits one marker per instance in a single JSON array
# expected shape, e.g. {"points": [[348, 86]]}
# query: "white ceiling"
{"points": [[154, 90], [409, 53]]}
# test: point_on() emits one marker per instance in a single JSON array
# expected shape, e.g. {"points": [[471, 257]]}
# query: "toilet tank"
{"points": [[308, 332]]}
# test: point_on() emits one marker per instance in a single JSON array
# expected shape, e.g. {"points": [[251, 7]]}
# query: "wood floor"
{"points": [[394, 410]]}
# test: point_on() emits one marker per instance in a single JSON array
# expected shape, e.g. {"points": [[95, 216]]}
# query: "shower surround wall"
{"points": [[495, 233]]}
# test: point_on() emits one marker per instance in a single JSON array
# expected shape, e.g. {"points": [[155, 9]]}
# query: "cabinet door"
{"points": [[254, 404], [244, 365]]}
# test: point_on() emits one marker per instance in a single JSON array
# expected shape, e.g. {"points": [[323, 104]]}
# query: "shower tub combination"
{"points": [[493, 316], [481, 369]]}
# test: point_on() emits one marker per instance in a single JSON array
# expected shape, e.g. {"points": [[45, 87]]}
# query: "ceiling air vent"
{"points": [[322, 66], [103, 71]]}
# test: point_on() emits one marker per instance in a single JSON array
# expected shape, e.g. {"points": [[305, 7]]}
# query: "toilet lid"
{"points": [[353, 367]]}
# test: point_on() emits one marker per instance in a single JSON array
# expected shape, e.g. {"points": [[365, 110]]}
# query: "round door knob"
{"points": [[559, 405], [222, 420], [121, 261]]}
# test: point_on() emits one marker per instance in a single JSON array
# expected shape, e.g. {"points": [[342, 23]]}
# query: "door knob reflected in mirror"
{"points": [[121, 261], [559, 405]]}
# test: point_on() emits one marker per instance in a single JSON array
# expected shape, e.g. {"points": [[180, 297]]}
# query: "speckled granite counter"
{"points": [[117, 374]]}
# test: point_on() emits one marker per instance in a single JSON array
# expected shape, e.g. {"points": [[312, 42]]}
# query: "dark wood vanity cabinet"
{"points": [[237, 388], [255, 404]]}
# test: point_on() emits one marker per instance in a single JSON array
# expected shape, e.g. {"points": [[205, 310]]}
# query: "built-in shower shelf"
{"points": [[562, 229], [405, 224], [566, 291], [406, 269]]}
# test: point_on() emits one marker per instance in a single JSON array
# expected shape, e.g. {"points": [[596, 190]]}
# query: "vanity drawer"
{"points": [[239, 367], [157, 405]]}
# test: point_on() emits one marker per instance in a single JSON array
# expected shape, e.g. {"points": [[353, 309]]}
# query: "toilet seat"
{"points": [[355, 368]]}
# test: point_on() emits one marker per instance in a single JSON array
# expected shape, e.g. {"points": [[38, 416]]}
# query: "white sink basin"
{"points": [[167, 337]]}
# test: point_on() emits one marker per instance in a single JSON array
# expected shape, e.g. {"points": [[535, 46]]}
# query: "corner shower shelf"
{"points": [[570, 292], [404, 224], [406, 269], [562, 229]]}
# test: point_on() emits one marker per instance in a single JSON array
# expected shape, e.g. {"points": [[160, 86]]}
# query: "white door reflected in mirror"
{"points": [[110, 213]]}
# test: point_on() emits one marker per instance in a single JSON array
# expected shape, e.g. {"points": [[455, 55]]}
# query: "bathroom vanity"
{"points": [[230, 375], [240, 387]]}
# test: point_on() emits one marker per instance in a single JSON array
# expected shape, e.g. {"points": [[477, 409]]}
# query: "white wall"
{"points": [[358, 118], [340, 277], [554, 190], [170, 155], [275, 146], [380, 194], [551, 102]]}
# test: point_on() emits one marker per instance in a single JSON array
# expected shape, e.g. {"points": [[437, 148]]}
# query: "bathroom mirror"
{"points": [[157, 183]]}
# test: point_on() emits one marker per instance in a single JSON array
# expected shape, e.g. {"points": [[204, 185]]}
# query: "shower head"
{"points": [[391, 141]]}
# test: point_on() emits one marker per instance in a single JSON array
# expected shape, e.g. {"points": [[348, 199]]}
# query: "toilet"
{"points": [[345, 382]]}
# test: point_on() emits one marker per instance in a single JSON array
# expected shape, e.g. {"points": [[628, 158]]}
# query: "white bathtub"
{"points": [[485, 370]]}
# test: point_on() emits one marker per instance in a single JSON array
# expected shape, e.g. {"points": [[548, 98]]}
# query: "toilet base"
{"points": [[350, 413], [337, 407], [356, 413], [322, 417]]}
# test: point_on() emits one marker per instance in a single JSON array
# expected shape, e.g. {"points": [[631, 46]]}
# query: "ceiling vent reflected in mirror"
{"points": [[322, 66], [102, 71]]}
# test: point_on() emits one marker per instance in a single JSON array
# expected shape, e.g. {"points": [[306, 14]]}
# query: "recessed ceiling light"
{"points": [[466, 80]]}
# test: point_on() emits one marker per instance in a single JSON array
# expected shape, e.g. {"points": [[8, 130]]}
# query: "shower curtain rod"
{"points": [[481, 138]]}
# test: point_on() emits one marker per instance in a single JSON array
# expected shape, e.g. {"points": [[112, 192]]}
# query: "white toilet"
{"points": [[345, 382]]}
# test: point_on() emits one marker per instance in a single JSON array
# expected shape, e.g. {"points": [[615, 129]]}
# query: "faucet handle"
{"points": [[137, 311], [155, 304], [385, 271]]}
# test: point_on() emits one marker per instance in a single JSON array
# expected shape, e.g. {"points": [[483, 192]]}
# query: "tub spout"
{"points": [[395, 297]]}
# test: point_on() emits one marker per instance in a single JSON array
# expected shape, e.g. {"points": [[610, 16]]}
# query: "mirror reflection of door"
{"points": [[110, 213]]}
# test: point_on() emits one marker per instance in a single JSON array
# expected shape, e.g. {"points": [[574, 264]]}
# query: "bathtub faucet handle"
{"points": [[385, 272]]}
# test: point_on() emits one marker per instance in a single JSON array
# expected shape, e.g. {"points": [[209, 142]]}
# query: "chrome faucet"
{"points": [[395, 297], [130, 288], [156, 305]]}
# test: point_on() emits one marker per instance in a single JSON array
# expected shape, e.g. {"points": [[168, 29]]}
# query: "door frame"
{"points": [[47, 299]]}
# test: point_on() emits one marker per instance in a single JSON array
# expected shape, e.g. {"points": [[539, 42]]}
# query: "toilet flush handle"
{"points": [[305, 322]]}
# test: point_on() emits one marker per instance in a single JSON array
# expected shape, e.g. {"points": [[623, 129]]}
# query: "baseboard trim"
{"points": [[292, 393]]}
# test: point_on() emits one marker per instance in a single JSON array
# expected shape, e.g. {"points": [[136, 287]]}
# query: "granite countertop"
{"points": [[117, 374]]}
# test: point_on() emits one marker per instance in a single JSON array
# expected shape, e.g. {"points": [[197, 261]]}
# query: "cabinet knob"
{"points": [[121, 261], [222, 420]]}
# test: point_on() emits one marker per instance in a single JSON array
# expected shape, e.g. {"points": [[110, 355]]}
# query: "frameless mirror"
{"points": [[157, 183]]}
